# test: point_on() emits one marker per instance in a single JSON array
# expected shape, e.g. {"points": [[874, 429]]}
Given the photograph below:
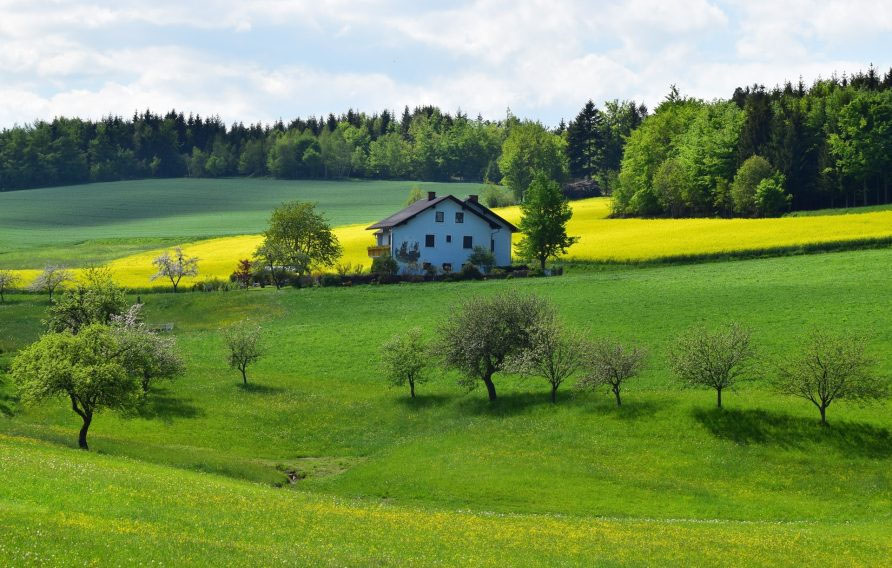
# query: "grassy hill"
{"points": [[665, 479], [97, 222], [117, 511]]}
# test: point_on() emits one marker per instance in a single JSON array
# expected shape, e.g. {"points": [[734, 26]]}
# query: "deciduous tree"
{"points": [[405, 359], [555, 354], [611, 363], [829, 368], [175, 266], [716, 359], [301, 237], [8, 281], [480, 335], [545, 213], [87, 369], [50, 279], [244, 343]]}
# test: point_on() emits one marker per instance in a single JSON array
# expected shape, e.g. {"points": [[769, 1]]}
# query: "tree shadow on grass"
{"points": [[510, 404], [423, 400], [853, 439], [162, 405], [631, 409], [260, 389]]}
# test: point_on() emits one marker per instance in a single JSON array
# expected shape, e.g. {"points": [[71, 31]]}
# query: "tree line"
{"points": [[763, 152], [484, 337], [424, 144], [760, 153]]}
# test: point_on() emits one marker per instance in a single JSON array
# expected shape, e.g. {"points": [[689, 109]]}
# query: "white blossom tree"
{"points": [[50, 279], [146, 354], [175, 266], [8, 280]]}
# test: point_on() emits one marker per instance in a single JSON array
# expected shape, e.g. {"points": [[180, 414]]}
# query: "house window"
{"points": [[447, 267], [429, 241], [468, 242], [459, 217], [448, 238], [425, 266], [440, 216]]}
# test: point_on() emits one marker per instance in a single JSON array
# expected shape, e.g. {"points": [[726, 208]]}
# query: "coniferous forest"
{"points": [[762, 152]]}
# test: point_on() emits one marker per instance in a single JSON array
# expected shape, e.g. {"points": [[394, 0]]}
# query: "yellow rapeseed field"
{"points": [[601, 239]]}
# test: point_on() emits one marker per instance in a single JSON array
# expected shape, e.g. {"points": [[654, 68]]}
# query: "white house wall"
{"points": [[423, 224]]}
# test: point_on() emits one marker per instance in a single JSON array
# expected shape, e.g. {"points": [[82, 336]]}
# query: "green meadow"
{"points": [[449, 478], [93, 223]]}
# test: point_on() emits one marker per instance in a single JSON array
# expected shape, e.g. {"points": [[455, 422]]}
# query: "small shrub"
{"points": [[389, 279], [330, 280], [470, 272], [385, 265], [482, 258], [497, 274]]}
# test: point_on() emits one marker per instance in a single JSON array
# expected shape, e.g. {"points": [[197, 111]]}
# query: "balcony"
{"points": [[376, 251]]}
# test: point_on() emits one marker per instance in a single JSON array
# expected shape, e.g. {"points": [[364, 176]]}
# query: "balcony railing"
{"points": [[376, 251]]}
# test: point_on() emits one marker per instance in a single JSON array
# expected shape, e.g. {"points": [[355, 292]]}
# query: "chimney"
{"points": [[431, 195], [472, 198]]}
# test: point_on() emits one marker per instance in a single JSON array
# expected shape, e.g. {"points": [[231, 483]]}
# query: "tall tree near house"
{"points": [[174, 266], [716, 359], [405, 359], [545, 213], [8, 281], [301, 237], [481, 335], [244, 343], [87, 369], [51, 279], [830, 368]]}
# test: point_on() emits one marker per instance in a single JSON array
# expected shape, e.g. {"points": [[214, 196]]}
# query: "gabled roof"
{"points": [[423, 204]]}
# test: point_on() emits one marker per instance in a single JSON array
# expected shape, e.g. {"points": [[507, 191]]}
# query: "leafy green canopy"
{"points": [[299, 238], [544, 221]]}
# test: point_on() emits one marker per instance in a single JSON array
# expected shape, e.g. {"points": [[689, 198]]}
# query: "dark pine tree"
{"points": [[585, 142]]}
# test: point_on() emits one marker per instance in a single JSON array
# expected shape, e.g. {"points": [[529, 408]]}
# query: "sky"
{"points": [[267, 59]]}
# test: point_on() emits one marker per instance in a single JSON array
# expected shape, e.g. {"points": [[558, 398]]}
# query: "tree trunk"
{"points": [[412, 388], [244, 374], [554, 394], [864, 185], [619, 401], [542, 263], [719, 396], [823, 410], [82, 437], [490, 387]]}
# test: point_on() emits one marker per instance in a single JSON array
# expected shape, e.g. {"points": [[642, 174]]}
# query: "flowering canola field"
{"points": [[600, 239]]}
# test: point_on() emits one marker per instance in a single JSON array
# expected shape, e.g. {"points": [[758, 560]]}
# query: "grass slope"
{"points": [[95, 223], [316, 404], [62, 507]]}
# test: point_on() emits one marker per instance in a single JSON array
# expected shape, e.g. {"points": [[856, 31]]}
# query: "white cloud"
{"points": [[541, 58]]}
